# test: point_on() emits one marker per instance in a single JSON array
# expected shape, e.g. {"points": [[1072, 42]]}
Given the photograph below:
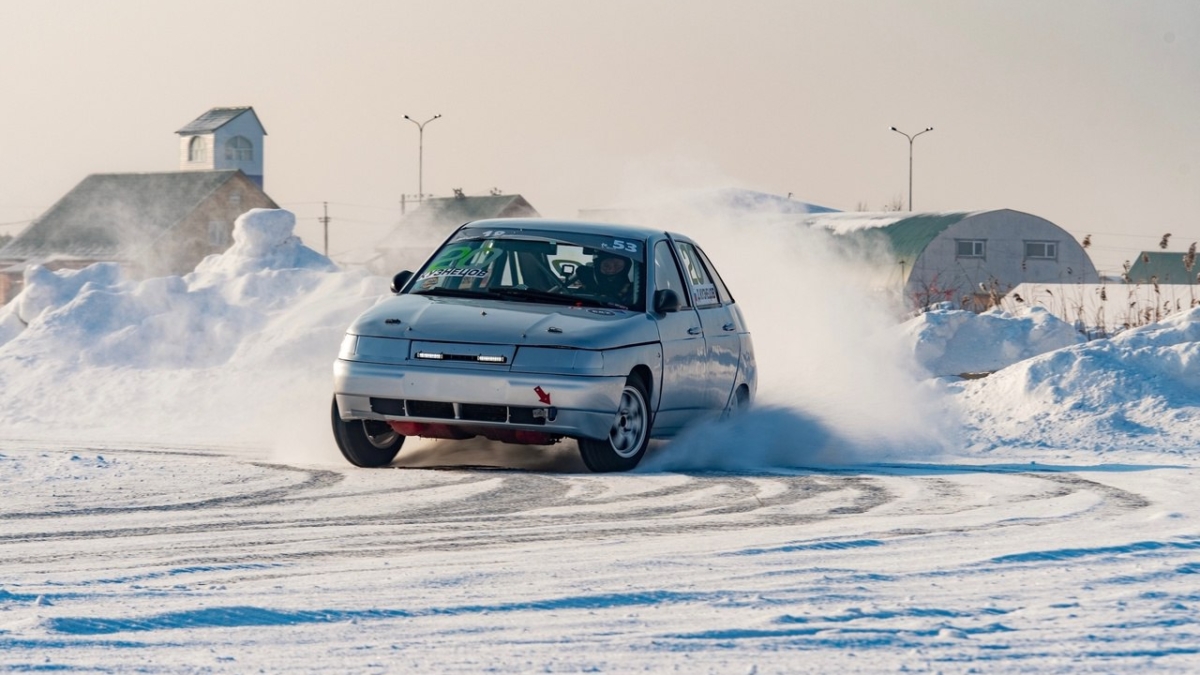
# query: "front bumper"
{"points": [[558, 405]]}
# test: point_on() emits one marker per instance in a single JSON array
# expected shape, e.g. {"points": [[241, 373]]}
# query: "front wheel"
{"points": [[628, 437], [366, 443]]}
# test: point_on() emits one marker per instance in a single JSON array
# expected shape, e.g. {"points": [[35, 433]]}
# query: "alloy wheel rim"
{"points": [[629, 427], [384, 435]]}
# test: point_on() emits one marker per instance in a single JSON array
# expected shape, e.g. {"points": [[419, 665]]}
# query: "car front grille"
{"points": [[483, 413], [387, 406], [444, 411], [522, 415], [468, 412]]}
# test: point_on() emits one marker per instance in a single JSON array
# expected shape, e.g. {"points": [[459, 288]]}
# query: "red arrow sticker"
{"points": [[542, 395]]}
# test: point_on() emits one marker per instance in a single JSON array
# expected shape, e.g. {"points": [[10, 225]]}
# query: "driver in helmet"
{"points": [[607, 278]]}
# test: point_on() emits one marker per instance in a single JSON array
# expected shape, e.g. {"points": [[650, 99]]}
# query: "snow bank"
{"points": [[955, 342], [45, 290], [195, 358], [1155, 362], [93, 318], [1140, 389], [262, 241]]}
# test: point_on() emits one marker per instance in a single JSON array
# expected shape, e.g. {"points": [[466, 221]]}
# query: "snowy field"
{"points": [[171, 499]]}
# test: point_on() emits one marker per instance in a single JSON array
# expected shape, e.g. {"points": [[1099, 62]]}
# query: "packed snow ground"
{"points": [[172, 500]]}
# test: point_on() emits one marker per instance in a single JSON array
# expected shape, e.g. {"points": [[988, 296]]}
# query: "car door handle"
{"points": [[729, 326], [695, 330]]}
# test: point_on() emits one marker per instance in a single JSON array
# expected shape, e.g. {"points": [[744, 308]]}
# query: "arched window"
{"points": [[239, 148], [197, 150]]}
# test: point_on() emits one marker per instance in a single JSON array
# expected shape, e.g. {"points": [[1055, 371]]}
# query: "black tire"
{"points": [[627, 439], [738, 403], [365, 443]]}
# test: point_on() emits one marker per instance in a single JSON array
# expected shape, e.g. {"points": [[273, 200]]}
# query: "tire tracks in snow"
{"points": [[313, 513]]}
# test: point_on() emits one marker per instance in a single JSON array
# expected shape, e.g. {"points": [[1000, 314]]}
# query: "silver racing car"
{"points": [[530, 331]]}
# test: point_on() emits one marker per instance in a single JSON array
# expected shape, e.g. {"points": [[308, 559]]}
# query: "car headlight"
{"points": [[551, 360], [349, 346], [380, 350]]}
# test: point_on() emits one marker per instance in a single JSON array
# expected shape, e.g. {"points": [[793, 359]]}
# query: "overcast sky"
{"points": [[1085, 112]]}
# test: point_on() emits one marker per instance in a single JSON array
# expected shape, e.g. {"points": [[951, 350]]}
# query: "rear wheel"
{"points": [[366, 443], [628, 437], [738, 403]]}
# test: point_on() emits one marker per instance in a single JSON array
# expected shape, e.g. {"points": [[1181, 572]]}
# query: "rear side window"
{"points": [[666, 273], [722, 292], [704, 292]]}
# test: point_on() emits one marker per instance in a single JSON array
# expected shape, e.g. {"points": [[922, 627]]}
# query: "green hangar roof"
{"points": [[908, 235]]}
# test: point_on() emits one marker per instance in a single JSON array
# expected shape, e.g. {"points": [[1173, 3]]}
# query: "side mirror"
{"points": [[666, 301], [399, 280]]}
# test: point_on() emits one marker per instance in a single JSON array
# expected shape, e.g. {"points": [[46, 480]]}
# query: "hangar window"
{"points": [[969, 248], [1041, 250]]}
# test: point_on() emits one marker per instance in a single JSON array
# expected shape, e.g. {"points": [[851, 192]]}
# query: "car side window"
{"points": [[666, 273], [722, 291], [704, 292]]}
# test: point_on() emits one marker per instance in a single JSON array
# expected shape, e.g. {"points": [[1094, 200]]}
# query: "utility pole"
{"points": [[325, 221], [405, 199]]}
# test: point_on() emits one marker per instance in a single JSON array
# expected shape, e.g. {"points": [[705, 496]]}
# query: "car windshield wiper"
{"points": [[535, 295], [452, 292], [593, 302], [527, 294], [557, 298]]}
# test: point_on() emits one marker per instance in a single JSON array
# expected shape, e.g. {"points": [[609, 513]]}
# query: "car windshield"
{"points": [[547, 267]]}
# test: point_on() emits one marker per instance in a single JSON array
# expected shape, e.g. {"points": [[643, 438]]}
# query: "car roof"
{"points": [[578, 226]]}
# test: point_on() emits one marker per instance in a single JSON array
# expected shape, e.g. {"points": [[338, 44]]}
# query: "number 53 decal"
{"points": [[619, 245]]}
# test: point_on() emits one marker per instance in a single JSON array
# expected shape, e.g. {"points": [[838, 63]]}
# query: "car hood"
{"points": [[442, 319]]}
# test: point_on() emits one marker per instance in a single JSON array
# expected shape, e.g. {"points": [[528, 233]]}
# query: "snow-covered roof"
{"points": [[908, 233], [107, 212], [845, 222], [437, 217], [464, 209], [736, 201]]}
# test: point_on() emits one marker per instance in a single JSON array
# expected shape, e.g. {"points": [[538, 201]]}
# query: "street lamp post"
{"points": [[421, 154], [910, 163]]}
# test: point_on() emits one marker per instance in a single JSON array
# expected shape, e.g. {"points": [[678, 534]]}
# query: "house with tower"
{"points": [[224, 139], [152, 224]]}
